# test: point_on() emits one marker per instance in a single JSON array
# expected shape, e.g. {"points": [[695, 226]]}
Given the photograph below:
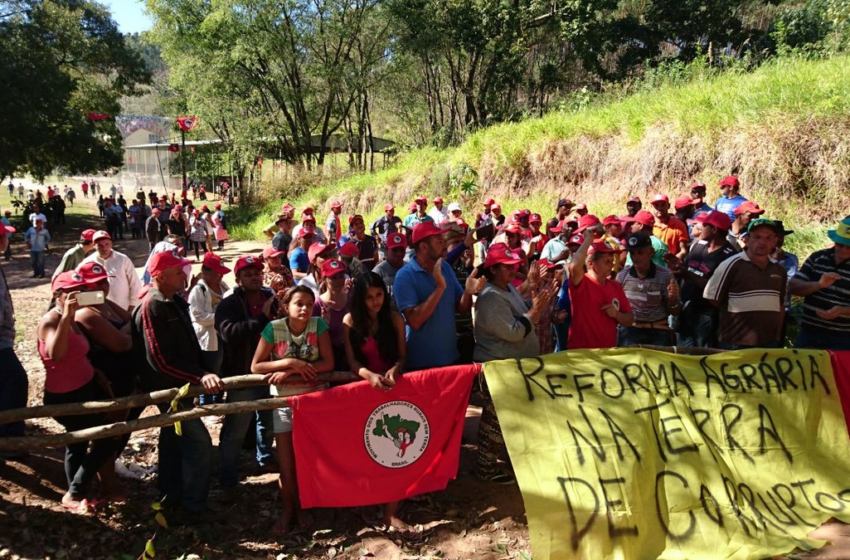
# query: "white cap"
{"points": [[454, 206]]}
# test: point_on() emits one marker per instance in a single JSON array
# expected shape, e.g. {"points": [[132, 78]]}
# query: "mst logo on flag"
{"points": [[397, 434], [187, 123]]}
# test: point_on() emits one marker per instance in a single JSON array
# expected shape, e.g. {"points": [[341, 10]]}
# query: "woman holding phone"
{"points": [[71, 378]]}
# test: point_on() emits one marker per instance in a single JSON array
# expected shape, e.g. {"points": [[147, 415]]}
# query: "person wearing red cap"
{"points": [[644, 221], [697, 322], [599, 304], [744, 214], [168, 356], [124, 283], [14, 383], [204, 298], [154, 228], [277, 276], [487, 215], [504, 329], [439, 213], [749, 291], [367, 247], [333, 305], [386, 224], [333, 224], [698, 193], [613, 228], [668, 228], [387, 269], [496, 215], [197, 234], [730, 198], [427, 293], [299, 259], [74, 256], [71, 378], [240, 319], [308, 220], [416, 216], [685, 207]]}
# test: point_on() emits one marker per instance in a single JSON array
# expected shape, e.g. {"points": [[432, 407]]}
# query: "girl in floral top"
{"points": [[277, 277], [297, 344]]}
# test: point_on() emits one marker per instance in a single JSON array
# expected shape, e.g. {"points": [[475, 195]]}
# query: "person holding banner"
{"points": [[599, 303], [504, 328], [298, 344], [375, 347]]}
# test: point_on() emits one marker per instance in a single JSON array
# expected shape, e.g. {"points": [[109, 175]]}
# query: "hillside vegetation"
{"points": [[784, 129]]}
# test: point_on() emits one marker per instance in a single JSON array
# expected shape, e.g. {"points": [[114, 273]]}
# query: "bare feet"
{"points": [[395, 522], [77, 505]]}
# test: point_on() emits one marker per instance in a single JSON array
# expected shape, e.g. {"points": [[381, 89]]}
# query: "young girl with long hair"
{"points": [[375, 346], [298, 344]]}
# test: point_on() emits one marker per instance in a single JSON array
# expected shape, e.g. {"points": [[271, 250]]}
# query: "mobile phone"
{"points": [[85, 299]]}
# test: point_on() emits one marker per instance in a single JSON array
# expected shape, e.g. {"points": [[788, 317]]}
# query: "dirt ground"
{"points": [[469, 520]]}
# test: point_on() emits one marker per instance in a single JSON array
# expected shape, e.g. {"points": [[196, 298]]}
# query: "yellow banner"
{"points": [[635, 454]]}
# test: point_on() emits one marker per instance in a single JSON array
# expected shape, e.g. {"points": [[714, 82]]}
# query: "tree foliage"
{"points": [[60, 60]]}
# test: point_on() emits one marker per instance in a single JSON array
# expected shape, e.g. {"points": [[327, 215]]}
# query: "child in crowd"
{"points": [[332, 306], [297, 344], [375, 346]]}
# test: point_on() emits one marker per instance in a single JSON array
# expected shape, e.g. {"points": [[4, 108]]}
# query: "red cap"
{"points": [[87, 235], [307, 210], [354, 218], [213, 262], [558, 227], [576, 239], [525, 212], [600, 247], [155, 211], [412, 207], [165, 260], [546, 263], [308, 218], [682, 201], [205, 208], [500, 253], [512, 227], [698, 185], [336, 204], [395, 240], [217, 206], [642, 217], [246, 262], [438, 200], [92, 272], [581, 206], [305, 231], [633, 199], [587, 221], [349, 250], [611, 220], [535, 219], [318, 249], [427, 229], [388, 207], [660, 198], [100, 234], [67, 281], [420, 200], [495, 206], [730, 181], [268, 253], [516, 214], [489, 202], [286, 208], [715, 218], [332, 267], [749, 207]]}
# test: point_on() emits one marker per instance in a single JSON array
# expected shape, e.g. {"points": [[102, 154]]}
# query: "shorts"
{"points": [[282, 420]]}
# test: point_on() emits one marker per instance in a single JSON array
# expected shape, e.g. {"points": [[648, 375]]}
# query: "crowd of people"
{"points": [[428, 290]]}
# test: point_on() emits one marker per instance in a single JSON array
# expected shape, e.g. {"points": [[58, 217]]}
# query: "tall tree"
{"points": [[59, 61]]}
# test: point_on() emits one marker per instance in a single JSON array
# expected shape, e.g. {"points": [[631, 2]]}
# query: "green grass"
{"points": [[780, 94]]}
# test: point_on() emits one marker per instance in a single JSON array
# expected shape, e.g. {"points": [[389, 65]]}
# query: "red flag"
{"points": [[187, 123], [841, 372], [99, 116], [357, 446], [174, 148]]}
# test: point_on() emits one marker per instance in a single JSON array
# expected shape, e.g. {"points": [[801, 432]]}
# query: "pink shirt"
{"points": [[71, 372]]}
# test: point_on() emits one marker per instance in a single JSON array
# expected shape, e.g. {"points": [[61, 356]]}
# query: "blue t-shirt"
{"points": [[299, 260], [729, 205], [434, 344]]}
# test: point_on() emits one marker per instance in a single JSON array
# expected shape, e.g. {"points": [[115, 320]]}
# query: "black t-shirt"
{"points": [[177, 227], [702, 263], [281, 242], [368, 251]]}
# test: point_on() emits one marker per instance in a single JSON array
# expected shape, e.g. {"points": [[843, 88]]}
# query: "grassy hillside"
{"points": [[783, 129]]}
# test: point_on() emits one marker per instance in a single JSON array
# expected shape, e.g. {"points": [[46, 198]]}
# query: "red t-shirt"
{"points": [[591, 327]]}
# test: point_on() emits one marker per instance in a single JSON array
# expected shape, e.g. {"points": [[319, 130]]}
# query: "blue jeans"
{"points": [[13, 390], [212, 363], [821, 340], [697, 330], [236, 426], [37, 262], [185, 464], [627, 336]]}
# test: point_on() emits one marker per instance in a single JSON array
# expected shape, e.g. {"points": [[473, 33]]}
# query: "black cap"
{"points": [[638, 240], [782, 229], [565, 202]]}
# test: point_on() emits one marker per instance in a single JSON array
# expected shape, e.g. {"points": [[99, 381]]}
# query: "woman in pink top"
{"points": [[375, 346], [70, 378]]}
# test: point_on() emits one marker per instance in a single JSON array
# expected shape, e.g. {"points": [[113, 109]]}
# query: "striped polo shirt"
{"points": [[818, 264], [648, 295], [750, 299]]}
